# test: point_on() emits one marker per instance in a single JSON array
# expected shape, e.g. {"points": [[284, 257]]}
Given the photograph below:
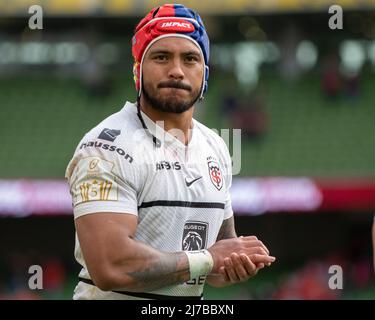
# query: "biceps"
{"points": [[227, 229], [104, 237]]}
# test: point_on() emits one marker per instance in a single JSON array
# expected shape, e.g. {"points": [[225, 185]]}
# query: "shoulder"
{"points": [[111, 141], [115, 133], [117, 126]]}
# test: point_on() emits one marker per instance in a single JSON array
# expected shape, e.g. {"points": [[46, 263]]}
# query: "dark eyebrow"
{"points": [[191, 52], [187, 53], [159, 52]]}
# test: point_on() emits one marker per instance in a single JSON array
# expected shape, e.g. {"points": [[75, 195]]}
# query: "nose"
{"points": [[175, 71]]}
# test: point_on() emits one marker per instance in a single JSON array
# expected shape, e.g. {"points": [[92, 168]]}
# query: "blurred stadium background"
{"points": [[303, 95]]}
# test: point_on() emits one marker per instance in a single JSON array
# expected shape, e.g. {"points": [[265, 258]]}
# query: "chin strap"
{"points": [[157, 142]]}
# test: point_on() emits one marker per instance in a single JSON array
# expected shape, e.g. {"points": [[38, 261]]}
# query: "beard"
{"points": [[171, 104]]}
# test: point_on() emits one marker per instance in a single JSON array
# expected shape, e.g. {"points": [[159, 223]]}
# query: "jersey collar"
{"points": [[157, 132]]}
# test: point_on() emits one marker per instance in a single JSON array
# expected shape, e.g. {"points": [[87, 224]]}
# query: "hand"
{"points": [[261, 265], [250, 246], [240, 268]]}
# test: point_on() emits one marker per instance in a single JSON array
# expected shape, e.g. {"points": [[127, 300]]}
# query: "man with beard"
{"points": [[150, 176]]}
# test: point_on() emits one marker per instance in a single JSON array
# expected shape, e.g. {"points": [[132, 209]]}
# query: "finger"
{"points": [[257, 243], [223, 272], [264, 247], [250, 250], [258, 258], [260, 265], [238, 267], [247, 238], [250, 267], [259, 250], [230, 270]]}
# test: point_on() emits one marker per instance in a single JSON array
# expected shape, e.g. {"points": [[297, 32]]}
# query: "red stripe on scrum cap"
{"points": [[175, 25], [166, 10]]}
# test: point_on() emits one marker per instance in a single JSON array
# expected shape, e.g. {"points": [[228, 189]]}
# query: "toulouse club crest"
{"points": [[215, 174]]}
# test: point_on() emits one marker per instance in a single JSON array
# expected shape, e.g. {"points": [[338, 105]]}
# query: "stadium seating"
{"points": [[44, 119]]}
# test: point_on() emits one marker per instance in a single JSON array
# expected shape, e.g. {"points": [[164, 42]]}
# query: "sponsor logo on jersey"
{"points": [[189, 183], [166, 165], [194, 236], [109, 134], [215, 173], [175, 26], [93, 167], [109, 147]]}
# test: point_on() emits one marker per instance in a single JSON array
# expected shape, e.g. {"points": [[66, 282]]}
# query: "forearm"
{"points": [[148, 269], [227, 230], [115, 260], [145, 269]]}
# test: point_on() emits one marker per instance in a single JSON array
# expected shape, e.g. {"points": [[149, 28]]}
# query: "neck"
{"points": [[173, 122]]}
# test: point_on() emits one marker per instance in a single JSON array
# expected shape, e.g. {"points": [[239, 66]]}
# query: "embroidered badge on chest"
{"points": [[195, 235]]}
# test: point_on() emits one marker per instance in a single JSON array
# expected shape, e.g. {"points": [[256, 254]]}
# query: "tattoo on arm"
{"points": [[167, 270], [171, 268], [227, 230]]}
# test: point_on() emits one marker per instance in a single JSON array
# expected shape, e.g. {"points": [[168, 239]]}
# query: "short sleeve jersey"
{"points": [[180, 194]]}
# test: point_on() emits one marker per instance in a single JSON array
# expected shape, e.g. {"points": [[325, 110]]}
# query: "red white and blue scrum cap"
{"points": [[169, 20]]}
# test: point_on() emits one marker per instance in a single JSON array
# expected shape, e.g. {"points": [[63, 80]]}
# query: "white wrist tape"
{"points": [[200, 263]]}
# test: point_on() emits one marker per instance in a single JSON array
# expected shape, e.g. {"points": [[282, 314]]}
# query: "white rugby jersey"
{"points": [[179, 193]]}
